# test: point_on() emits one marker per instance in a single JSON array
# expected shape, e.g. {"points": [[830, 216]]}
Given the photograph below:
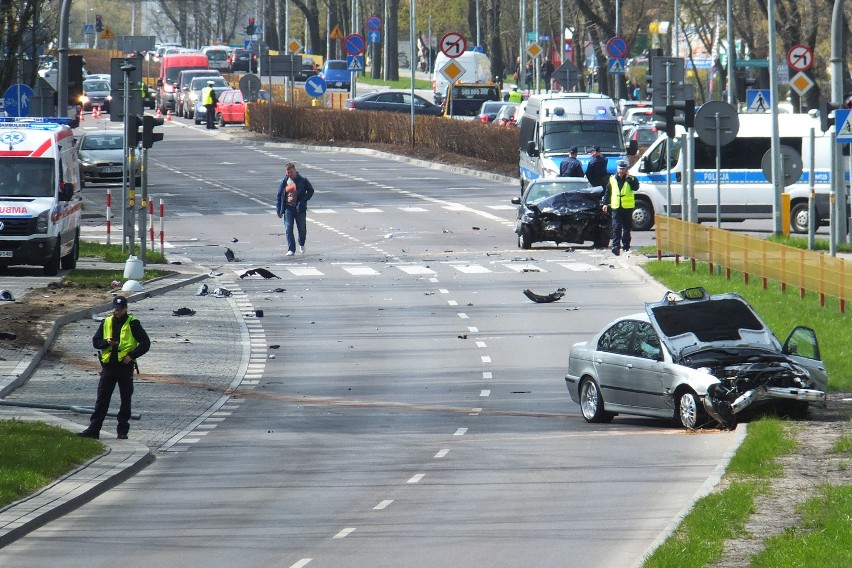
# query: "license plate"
{"points": [[5, 254], [338, 83], [111, 170]]}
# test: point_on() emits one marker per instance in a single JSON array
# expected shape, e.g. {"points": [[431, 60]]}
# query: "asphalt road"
{"points": [[415, 412]]}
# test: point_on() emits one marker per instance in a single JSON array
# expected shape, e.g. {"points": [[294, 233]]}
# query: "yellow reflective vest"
{"points": [[126, 342], [207, 96], [515, 97], [621, 197]]}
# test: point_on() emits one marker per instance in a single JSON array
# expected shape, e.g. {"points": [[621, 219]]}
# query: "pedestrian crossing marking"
{"points": [[304, 271], [361, 270], [321, 211], [503, 207], [524, 267], [471, 268], [188, 214], [579, 267], [234, 213], [416, 270], [368, 210], [413, 209]]}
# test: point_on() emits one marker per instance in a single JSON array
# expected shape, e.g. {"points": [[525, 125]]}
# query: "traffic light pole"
{"points": [[143, 224]]}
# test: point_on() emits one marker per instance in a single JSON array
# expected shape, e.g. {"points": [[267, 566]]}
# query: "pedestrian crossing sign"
{"points": [[615, 65], [758, 100], [843, 123]]}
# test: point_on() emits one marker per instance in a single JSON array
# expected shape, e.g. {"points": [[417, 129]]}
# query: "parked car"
{"points": [[199, 111], [242, 60], [101, 156], [488, 111], [231, 107], [507, 114], [336, 73], [96, 93], [639, 115], [564, 210], [309, 69], [393, 101], [183, 99], [624, 106], [695, 358], [217, 56]]}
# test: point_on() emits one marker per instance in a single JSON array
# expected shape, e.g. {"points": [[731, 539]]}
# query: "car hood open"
{"points": [[574, 201]]}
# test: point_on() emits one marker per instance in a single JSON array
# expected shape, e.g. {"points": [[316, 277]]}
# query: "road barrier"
{"points": [[760, 258]]}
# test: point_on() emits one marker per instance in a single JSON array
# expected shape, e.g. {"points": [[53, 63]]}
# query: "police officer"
{"points": [[571, 166], [619, 199], [515, 95], [208, 99], [121, 340], [596, 170]]}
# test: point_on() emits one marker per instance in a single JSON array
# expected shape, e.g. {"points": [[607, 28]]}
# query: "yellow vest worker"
{"points": [[620, 200], [515, 96]]}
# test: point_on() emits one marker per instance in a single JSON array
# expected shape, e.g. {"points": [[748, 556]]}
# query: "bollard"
{"points": [[108, 213], [162, 234], [151, 223]]}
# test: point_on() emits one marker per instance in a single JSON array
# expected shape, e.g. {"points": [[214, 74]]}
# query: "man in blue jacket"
{"points": [[596, 170], [293, 206]]}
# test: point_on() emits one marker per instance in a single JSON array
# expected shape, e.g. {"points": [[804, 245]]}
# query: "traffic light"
{"points": [[680, 112], [148, 134], [825, 109], [133, 123], [250, 28], [99, 23]]}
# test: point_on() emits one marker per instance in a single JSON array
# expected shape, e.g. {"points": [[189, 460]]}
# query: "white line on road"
{"points": [[416, 478], [487, 375], [460, 432], [344, 533], [383, 504], [441, 454], [301, 563], [485, 392]]}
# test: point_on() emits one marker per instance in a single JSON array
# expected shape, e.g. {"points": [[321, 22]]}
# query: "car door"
{"points": [[802, 346], [647, 375], [611, 360]]}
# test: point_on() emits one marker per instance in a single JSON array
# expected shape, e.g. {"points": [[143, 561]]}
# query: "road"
{"points": [[415, 412]]}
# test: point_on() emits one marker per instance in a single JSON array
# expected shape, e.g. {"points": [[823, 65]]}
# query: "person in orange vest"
{"points": [[619, 200]]}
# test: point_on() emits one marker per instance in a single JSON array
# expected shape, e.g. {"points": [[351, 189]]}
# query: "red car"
{"points": [[231, 106]]}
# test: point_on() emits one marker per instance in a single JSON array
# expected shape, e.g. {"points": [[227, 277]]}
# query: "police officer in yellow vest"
{"points": [[121, 340], [208, 99], [515, 96], [619, 200]]}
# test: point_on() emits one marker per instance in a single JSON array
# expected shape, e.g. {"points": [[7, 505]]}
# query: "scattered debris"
{"points": [[221, 292], [544, 299], [8, 335], [445, 231], [260, 272], [272, 356], [462, 336], [274, 346], [476, 229], [235, 240], [229, 254], [115, 283], [202, 290], [183, 312], [278, 290]]}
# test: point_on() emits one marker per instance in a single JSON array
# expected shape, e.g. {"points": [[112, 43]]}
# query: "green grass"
{"points": [[700, 538], [781, 311], [113, 253], [33, 454], [802, 243], [95, 278]]}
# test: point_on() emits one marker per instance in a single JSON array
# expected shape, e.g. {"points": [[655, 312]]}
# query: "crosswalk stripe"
{"points": [[360, 270], [415, 269], [579, 267], [471, 268], [524, 267], [304, 271]]}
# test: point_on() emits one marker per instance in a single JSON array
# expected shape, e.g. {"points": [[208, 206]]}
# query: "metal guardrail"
{"points": [[807, 270]]}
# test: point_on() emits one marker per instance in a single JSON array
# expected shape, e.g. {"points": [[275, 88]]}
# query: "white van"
{"points": [[745, 191], [552, 124], [477, 69], [40, 203]]}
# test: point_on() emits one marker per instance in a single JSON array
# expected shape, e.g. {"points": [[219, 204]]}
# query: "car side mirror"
{"points": [[516, 201], [531, 149], [66, 192], [633, 148], [160, 82]]}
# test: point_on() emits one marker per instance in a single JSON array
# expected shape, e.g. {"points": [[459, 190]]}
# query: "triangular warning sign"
{"points": [[759, 104], [846, 129], [336, 33]]}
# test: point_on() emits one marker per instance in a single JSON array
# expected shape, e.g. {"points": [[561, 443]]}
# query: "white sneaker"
{"points": [[302, 249], [290, 253]]}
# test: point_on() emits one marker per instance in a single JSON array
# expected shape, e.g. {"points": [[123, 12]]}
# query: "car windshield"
{"points": [[491, 107], [337, 65], [26, 177], [560, 136], [217, 55], [95, 86], [200, 82], [103, 142], [544, 190]]}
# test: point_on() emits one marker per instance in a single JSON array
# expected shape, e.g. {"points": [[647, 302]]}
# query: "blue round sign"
{"points": [[315, 86], [617, 47], [374, 23], [17, 100], [354, 44]]}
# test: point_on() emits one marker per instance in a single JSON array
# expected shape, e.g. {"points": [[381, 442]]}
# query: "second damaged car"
{"points": [[563, 210], [696, 358]]}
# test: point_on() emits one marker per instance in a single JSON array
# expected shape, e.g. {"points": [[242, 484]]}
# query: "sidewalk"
{"points": [[173, 393]]}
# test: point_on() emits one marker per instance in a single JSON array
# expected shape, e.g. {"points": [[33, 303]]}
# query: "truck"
{"points": [[552, 124], [475, 65], [40, 200], [463, 100], [744, 191]]}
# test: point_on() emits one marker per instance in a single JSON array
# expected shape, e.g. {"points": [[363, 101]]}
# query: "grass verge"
{"points": [[113, 253], [96, 278], [33, 454]]}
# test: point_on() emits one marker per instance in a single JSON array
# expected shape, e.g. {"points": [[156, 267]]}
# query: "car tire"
{"points": [[690, 412], [525, 238], [197, 121], [799, 217], [643, 215], [69, 261], [592, 403], [220, 120], [51, 268]]}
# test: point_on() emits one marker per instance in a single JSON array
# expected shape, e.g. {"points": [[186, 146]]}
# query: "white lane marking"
{"points": [[383, 504], [304, 271], [321, 211], [524, 267], [473, 329], [485, 392], [344, 533], [579, 267], [416, 478], [463, 316], [414, 269], [413, 209], [361, 270], [471, 269], [460, 432], [187, 214], [487, 375], [442, 453], [480, 344], [502, 207], [443, 291], [475, 411], [301, 563], [433, 280], [485, 359], [452, 303], [234, 213], [368, 210]]}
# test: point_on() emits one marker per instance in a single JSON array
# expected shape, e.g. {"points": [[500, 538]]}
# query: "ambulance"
{"points": [[40, 201]]}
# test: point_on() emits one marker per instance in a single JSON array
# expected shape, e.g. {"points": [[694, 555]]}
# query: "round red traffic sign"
{"points": [[453, 44], [800, 57], [354, 44], [617, 47]]}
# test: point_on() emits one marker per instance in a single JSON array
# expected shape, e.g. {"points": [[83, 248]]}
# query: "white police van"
{"points": [[554, 123], [745, 193], [40, 203]]}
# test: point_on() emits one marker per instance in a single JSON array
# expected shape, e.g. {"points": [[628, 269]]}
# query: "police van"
{"points": [[554, 123], [745, 193], [40, 203]]}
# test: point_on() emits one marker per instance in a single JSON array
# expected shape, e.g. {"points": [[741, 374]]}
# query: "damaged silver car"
{"points": [[696, 358]]}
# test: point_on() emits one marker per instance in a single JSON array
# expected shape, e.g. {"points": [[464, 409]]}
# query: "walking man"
{"points": [[121, 340], [619, 199], [294, 191]]}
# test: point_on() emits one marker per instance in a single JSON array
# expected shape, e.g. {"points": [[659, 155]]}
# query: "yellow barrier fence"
{"points": [[759, 258]]}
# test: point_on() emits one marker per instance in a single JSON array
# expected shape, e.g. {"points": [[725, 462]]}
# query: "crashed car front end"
{"points": [[567, 218]]}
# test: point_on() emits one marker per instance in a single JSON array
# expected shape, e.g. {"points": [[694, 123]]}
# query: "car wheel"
{"points": [[220, 120], [197, 121], [689, 410], [799, 217], [643, 215], [592, 403], [525, 238], [51, 268], [69, 261]]}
